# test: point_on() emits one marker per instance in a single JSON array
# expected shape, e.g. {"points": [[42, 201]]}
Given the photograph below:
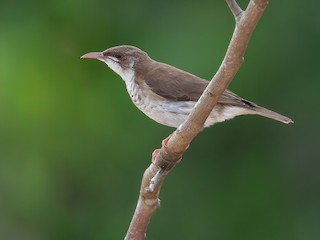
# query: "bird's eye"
{"points": [[119, 56]]}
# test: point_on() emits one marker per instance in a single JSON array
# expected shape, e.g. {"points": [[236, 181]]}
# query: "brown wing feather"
{"points": [[175, 84]]}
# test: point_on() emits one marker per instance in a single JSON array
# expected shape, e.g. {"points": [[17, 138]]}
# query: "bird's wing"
{"points": [[231, 98], [177, 85]]}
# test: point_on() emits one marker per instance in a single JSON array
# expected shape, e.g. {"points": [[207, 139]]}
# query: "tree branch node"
{"points": [[235, 9], [155, 180]]}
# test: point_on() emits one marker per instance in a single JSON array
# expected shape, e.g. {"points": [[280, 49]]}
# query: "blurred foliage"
{"points": [[73, 147]]}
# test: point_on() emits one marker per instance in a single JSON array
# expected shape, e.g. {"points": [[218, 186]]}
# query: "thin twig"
{"points": [[168, 157], [235, 9]]}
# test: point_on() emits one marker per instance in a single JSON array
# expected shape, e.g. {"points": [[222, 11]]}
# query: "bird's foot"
{"points": [[155, 180], [155, 154], [165, 141], [164, 148]]}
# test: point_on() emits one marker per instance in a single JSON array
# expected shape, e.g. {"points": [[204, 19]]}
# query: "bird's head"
{"points": [[121, 59]]}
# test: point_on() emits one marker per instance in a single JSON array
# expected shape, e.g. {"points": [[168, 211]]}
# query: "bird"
{"points": [[167, 94]]}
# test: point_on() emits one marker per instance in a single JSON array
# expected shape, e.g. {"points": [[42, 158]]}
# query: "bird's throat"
{"points": [[126, 74]]}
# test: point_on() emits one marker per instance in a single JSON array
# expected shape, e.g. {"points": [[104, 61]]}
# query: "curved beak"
{"points": [[93, 55]]}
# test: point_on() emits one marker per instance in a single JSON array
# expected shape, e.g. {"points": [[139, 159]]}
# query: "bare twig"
{"points": [[169, 156], [235, 9]]}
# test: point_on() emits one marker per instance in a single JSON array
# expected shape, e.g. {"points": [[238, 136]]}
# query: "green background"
{"points": [[73, 147]]}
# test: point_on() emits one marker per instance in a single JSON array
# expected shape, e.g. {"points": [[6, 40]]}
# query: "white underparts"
{"points": [[174, 113]]}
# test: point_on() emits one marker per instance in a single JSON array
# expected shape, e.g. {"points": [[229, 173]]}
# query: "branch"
{"points": [[235, 8], [171, 152]]}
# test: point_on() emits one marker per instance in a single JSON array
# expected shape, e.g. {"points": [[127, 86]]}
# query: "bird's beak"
{"points": [[94, 55]]}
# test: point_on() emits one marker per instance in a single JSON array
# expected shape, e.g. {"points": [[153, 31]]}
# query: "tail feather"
{"points": [[271, 114]]}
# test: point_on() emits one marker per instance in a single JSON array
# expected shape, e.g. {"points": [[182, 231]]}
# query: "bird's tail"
{"points": [[270, 114]]}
